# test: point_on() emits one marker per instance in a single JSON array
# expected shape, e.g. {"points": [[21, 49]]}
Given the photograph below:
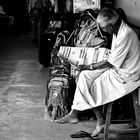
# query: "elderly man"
{"points": [[122, 74]]}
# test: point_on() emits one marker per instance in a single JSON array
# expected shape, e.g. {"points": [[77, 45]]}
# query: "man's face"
{"points": [[107, 28]]}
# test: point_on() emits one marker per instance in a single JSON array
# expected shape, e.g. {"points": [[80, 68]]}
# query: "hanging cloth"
{"points": [[69, 6]]}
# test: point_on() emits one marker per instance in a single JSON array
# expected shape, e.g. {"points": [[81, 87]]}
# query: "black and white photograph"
{"points": [[69, 69]]}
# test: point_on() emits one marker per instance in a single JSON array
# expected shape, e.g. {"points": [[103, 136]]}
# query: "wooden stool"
{"points": [[136, 110]]}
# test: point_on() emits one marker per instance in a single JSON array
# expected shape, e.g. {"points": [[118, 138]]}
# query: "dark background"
{"points": [[17, 9]]}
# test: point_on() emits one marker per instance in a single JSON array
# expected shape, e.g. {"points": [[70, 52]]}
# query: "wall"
{"points": [[131, 8]]}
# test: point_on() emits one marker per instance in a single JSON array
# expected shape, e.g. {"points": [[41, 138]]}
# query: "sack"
{"points": [[82, 55], [57, 101], [88, 38], [61, 39], [88, 34]]}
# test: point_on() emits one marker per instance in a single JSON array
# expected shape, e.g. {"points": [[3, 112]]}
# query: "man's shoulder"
{"points": [[127, 32]]}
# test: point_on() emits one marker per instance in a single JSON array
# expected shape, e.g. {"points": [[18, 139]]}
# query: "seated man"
{"points": [[122, 76]]}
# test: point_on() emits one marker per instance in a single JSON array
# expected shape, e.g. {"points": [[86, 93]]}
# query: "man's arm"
{"points": [[100, 65], [94, 66]]}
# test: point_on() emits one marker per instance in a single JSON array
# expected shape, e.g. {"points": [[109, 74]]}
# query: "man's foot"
{"points": [[67, 119], [97, 130]]}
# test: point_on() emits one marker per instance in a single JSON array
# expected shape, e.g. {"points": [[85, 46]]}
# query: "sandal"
{"points": [[81, 134]]}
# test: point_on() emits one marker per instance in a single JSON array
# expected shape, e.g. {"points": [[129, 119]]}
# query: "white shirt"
{"points": [[125, 54]]}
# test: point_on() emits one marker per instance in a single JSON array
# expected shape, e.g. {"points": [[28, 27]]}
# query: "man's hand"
{"points": [[83, 67], [64, 60]]}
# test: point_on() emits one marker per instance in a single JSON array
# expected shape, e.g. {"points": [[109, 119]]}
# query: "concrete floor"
{"points": [[22, 93]]}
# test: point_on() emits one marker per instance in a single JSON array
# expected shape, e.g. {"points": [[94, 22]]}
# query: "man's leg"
{"points": [[82, 95], [72, 117], [100, 122]]}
